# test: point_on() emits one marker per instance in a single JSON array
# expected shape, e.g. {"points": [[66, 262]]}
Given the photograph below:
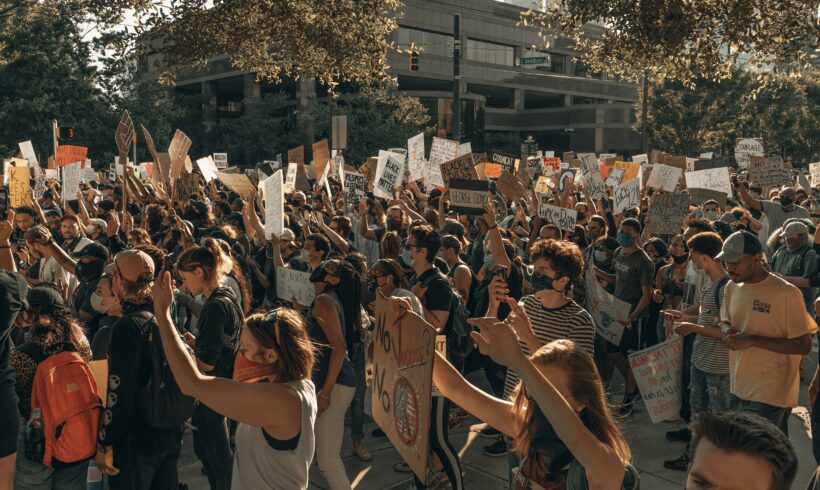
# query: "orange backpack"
{"points": [[65, 392]]}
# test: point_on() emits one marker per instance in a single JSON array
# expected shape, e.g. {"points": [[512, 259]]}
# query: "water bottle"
{"points": [[94, 480], [35, 440]]}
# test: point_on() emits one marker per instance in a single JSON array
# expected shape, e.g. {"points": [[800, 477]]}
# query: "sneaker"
{"points": [[437, 479], [627, 405], [680, 435], [402, 467], [489, 432], [680, 464], [498, 448], [377, 432], [362, 453]]}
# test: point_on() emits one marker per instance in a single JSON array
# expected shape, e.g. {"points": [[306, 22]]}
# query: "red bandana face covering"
{"points": [[247, 371]]}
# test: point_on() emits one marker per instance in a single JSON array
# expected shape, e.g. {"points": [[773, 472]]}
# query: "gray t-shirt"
{"points": [[777, 216], [802, 262], [632, 272]]}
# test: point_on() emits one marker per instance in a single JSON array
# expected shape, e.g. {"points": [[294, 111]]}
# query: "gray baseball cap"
{"points": [[737, 245]]}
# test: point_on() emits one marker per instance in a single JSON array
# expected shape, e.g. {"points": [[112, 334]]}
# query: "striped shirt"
{"points": [[708, 354], [565, 322]]}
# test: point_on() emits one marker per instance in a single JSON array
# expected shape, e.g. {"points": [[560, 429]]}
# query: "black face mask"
{"points": [[88, 271], [581, 216], [786, 201], [679, 259], [394, 224], [372, 285]]}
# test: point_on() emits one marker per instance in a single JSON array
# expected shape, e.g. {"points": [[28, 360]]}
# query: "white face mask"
{"points": [[97, 303]]}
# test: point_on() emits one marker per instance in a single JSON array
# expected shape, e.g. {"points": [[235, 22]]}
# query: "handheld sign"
{"points": [[511, 187], [606, 309], [297, 155], [239, 183], [292, 284], [415, 157], [666, 214], [355, 185], [814, 170], [592, 175], [71, 181], [469, 196], [657, 372], [715, 179], [125, 133], [769, 172], [274, 204], [220, 160], [390, 177], [563, 218], [442, 150], [626, 196], [615, 177], [178, 150], [747, 148], [27, 150], [460, 168], [19, 186], [321, 155], [664, 178], [208, 167], [403, 352]]}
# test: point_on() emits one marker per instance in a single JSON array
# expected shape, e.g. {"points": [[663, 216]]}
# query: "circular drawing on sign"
{"points": [[406, 411]]}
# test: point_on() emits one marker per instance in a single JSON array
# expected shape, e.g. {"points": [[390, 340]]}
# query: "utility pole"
{"points": [[457, 77], [54, 138], [644, 113]]}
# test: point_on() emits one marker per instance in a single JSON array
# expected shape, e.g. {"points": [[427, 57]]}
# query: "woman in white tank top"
{"points": [[271, 395]]}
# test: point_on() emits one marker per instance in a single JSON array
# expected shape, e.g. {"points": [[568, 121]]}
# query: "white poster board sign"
{"points": [[290, 179], [71, 181], [27, 150], [657, 371], [564, 218], [274, 204], [606, 309], [746, 148], [715, 179], [294, 285], [442, 150], [208, 167], [626, 196], [592, 175], [220, 160], [390, 177], [664, 177], [415, 157]]}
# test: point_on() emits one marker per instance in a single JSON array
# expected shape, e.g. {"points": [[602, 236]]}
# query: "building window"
{"points": [[431, 43], [582, 70], [486, 52]]}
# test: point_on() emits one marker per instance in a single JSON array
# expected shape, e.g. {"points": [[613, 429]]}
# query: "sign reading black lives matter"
{"points": [[666, 214], [469, 196]]}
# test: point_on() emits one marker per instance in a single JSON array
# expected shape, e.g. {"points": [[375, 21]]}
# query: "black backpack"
{"points": [[161, 401], [457, 331]]}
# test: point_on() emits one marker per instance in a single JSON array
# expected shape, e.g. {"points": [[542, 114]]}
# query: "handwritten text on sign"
{"points": [[664, 178], [562, 217], [769, 172], [442, 150], [355, 188], [657, 372], [627, 196], [390, 177], [592, 175], [666, 214], [716, 179], [402, 378], [606, 309], [469, 196], [294, 285]]}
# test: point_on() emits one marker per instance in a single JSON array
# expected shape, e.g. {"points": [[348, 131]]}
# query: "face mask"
{"points": [[601, 256], [97, 303], [593, 235], [581, 216], [247, 371], [305, 255], [441, 255], [711, 215], [625, 240], [679, 259], [406, 257], [541, 282], [786, 201], [90, 270], [488, 259], [394, 224], [372, 285]]}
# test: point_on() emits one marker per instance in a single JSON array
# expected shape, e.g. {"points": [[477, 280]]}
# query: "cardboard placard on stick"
{"points": [[469, 196], [403, 352], [666, 214], [239, 183], [297, 155], [461, 168], [510, 186], [178, 150], [125, 133], [321, 155]]}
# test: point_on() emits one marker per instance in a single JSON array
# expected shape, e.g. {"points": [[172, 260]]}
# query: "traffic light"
{"points": [[414, 61], [65, 132]]}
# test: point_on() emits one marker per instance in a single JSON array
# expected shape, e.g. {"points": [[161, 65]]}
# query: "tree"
{"points": [[375, 120], [685, 40], [328, 40]]}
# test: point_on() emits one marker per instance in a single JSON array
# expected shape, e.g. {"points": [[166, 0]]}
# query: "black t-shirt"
{"points": [[219, 325], [439, 294], [13, 290], [81, 300]]}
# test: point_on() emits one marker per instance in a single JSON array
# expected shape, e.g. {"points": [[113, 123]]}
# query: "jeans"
{"points": [[32, 475], [329, 431], [212, 446], [779, 416], [359, 359], [710, 392], [685, 374]]}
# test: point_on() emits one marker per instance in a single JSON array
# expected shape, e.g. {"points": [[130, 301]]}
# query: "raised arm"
{"points": [[7, 261], [749, 200], [364, 227]]}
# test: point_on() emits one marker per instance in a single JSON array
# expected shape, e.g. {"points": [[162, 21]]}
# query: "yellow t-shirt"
{"points": [[771, 308]]}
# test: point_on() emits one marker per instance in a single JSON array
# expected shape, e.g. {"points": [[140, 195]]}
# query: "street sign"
{"points": [[535, 59]]}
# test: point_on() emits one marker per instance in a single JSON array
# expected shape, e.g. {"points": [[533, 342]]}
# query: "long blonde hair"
{"points": [[585, 387]]}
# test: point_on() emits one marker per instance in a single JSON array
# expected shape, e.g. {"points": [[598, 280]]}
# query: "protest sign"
{"points": [[592, 175], [606, 156], [568, 156], [542, 185], [716, 179], [67, 154], [510, 187], [297, 155], [666, 214], [707, 155], [814, 169], [368, 169], [71, 181], [19, 186], [461, 168], [207, 165], [631, 170], [606, 309], [178, 150], [642, 158], [626, 196], [564, 178], [563, 218], [442, 150], [382, 161], [769, 172], [290, 178], [804, 182], [700, 196], [27, 150], [220, 160], [664, 178], [506, 162], [415, 157], [403, 350], [125, 135], [274, 204], [355, 187], [469, 196], [87, 174], [746, 148], [239, 183], [321, 155], [615, 177], [390, 177], [185, 185], [657, 372], [706, 164], [432, 177], [292, 284], [553, 164], [464, 149]]}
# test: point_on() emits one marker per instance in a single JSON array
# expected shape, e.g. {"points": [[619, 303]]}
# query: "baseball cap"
{"points": [[93, 250], [287, 235], [97, 222], [794, 228], [44, 296], [738, 244], [788, 191]]}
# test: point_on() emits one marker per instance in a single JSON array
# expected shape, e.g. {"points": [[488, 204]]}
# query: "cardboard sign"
{"points": [[460, 168], [442, 150], [239, 183], [707, 155], [177, 151], [563, 179], [804, 182], [657, 372], [814, 169], [403, 351], [67, 154], [700, 196], [769, 172], [368, 169], [125, 133], [667, 213], [564, 218], [706, 164], [302, 182], [551, 163], [606, 309], [510, 187], [746, 148], [631, 170], [27, 150], [390, 177], [274, 204], [615, 177], [19, 186], [542, 185], [716, 179], [71, 181], [592, 175], [293, 285], [290, 179], [626, 196], [321, 155], [469, 196], [664, 178], [382, 161], [297, 155], [415, 157], [642, 158], [220, 160], [186, 185], [355, 185], [208, 167]]}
